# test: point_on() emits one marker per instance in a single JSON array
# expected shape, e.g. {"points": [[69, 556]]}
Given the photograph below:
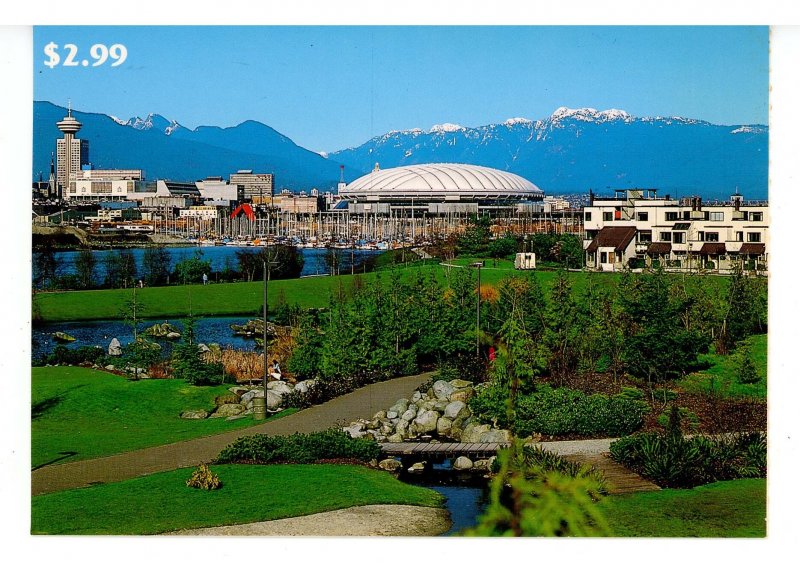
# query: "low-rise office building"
{"points": [[102, 185], [637, 228]]}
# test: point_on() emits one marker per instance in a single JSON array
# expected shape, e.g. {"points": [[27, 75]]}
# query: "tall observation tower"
{"points": [[71, 153]]}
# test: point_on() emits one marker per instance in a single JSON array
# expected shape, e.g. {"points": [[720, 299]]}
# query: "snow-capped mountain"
{"points": [[574, 150], [165, 149]]}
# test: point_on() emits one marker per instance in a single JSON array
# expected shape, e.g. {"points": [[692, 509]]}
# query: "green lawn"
{"points": [[244, 298], [723, 373], [250, 493], [724, 509], [80, 413]]}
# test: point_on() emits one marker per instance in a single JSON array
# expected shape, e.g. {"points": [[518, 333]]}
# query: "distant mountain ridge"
{"points": [[166, 150], [571, 151], [574, 150]]}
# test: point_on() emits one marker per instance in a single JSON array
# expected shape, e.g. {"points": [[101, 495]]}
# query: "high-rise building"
{"points": [[255, 187], [71, 153]]}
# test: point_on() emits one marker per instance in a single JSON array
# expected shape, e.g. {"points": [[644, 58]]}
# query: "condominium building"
{"points": [[254, 187], [102, 185], [637, 228]]}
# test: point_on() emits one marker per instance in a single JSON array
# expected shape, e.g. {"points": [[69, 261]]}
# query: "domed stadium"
{"points": [[430, 183]]}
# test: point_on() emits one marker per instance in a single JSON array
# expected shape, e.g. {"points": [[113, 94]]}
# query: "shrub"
{"points": [[203, 478], [63, 355], [688, 419], [746, 372], [674, 461], [299, 448], [534, 456], [561, 411]]}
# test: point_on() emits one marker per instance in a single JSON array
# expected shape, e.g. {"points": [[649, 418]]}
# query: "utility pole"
{"points": [[267, 265], [478, 265]]}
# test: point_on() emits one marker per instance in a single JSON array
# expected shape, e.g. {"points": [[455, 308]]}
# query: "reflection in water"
{"points": [[467, 493]]}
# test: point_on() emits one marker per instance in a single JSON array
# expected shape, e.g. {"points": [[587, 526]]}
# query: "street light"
{"points": [[267, 265], [478, 265]]}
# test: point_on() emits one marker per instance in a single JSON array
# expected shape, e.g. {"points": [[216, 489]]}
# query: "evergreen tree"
{"points": [[562, 333], [85, 268]]}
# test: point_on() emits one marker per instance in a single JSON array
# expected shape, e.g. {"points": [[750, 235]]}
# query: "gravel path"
{"points": [[369, 520], [340, 411]]}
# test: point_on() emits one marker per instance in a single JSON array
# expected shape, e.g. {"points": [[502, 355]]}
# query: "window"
{"points": [[645, 236], [672, 215], [603, 257], [666, 237], [711, 238], [678, 238], [739, 236], [756, 216], [753, 237], [641, 216], [608, 216], [716, 216], [587, 216]]}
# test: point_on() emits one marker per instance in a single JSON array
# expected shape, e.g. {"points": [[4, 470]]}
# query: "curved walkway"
{"points": [[340, 411]]}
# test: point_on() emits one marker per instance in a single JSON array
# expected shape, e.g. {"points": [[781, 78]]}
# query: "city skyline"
{"points": [[336, 87]]}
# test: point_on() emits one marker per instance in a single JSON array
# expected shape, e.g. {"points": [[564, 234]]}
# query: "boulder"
{"points": [[418, 467], [254, 328], [274, 400], [301, 387], [455, 410], [238, 390], [416, 396], [495, 437], [426, 421], [280, 387], [194, 414], [162, 330], [236, 416], [440, 405], [402, 427], [203, 348], [472, 433], [392, 415], [460, 384], [173, 335], [442, 390], [443, 426], [115, 348], [390, 464], [462, 462], [409, 415], [249, 395], [400, 406], [110, 368], [226, 410], [462, 394], [482, 465], [395, 438], [63, 337], [380, 415]]}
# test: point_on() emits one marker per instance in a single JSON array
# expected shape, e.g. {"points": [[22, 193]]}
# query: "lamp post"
{"points": [[478, 265], [267, 265]]}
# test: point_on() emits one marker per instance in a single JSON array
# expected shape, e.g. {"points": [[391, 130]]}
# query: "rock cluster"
{"points": [[239, 403], [63, 337], [254, 328], [166, 330], [441, 413]]}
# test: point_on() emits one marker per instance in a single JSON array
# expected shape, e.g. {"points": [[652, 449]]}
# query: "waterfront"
{"points": [[222, 258]]}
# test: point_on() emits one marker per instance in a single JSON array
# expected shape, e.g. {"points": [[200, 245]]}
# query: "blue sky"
{"points": [[329, 88]]}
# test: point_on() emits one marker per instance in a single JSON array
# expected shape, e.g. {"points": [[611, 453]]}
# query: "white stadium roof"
{"points": [[441, 181]]}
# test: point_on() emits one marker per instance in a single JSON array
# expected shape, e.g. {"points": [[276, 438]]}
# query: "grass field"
{"points": [[723, 373], [244, 298], [80, 413], [724, 509], [250, 493]]}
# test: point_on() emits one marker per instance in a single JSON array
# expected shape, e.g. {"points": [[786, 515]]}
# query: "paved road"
{"points": [[361, 403]]}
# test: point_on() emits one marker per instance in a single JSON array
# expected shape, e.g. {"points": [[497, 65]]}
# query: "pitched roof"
{"points": [[753, 248], [617, 237], [659, 248], [713, 248]]}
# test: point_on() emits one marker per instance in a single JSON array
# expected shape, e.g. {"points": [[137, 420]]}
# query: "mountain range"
{"points": [[571, 151], [166, 150]]}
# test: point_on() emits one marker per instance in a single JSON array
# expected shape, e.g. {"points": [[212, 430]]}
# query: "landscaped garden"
{"points": [[557, 355], [80, 413], [162, 502]]}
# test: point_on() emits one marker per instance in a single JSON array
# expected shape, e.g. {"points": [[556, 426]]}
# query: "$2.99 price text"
{"points": [[99, 53]]}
